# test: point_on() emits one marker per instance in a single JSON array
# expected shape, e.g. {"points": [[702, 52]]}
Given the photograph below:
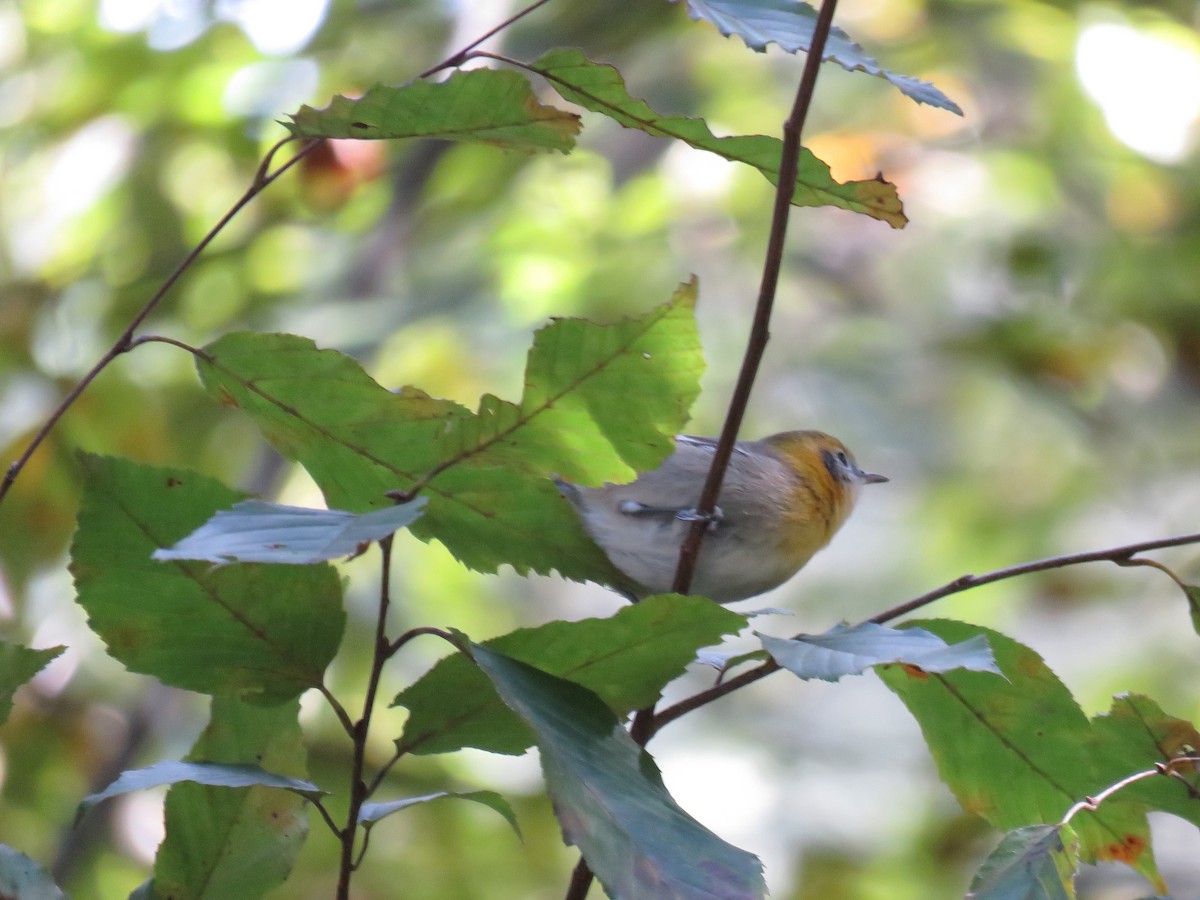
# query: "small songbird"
{"points": [[782, 499]]}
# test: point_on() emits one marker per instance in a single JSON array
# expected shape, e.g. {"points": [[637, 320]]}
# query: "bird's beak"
{"points": [[870, 478]]}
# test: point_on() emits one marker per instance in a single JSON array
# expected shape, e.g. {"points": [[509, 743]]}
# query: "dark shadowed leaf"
{"points": [[373, 812], [610, 799], [601, 89], [237, 843], [23, 879], [789, 23], [480, 106], [17, 665], [257, 531], [625, 659], [1032, 863], [843, 650], [264, 631]]}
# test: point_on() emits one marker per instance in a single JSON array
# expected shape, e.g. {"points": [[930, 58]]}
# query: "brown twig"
{"points": [[645, 722], [461, 56], [1123, 556], [262, 179], [358, 787]]}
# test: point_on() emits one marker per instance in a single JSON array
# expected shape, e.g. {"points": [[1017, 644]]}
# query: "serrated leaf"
{"points": [[845, 650], [1031, 863], [610, 799], [258, 531], [266, 632], [1019, 750], [600, 402], [480, 106], [373, 812], [237, 843], [790, 23], [226, 775], [17, 665], [601, 89], [625, 659], [23, 879]]}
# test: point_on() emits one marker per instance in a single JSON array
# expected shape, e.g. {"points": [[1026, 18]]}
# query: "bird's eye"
{"points": [[841, 457]]}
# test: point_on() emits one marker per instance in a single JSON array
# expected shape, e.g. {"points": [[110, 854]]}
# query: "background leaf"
{"points": [[626, 660], [264, 632], [17, 665], [257, 531], [601, 89], [610, 799], [482, 105], [789, 23]]}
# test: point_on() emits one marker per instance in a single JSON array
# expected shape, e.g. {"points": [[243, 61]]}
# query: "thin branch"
{"points": [[337, 832], [1170, 768], [461, 56], [645, 721], [1123, 556], [1118, 555], [338, 709], [262, 179], [358, 787], [760, 329], [417, 632]]}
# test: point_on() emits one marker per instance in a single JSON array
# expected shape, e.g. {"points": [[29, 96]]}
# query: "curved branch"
{"points": [[262, 179], [1122, 556]]}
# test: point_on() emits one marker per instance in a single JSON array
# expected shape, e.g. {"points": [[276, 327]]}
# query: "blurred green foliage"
{"points": [[1023, 360]]}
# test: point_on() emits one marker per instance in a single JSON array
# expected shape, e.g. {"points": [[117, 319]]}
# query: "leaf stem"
{"points": [[125, 342], [359, 790]]}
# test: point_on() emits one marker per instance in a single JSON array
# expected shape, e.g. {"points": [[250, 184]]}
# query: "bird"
{"points": [[783, 498]]}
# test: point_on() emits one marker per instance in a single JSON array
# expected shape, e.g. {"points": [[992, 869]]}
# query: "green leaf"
{"points": [[610, 799], [845, 651], [257, 531], [23, 879], [237, 843], [601, 89], [1031, 863], [373, 812], [1134, 735], [265, 632], [626, 660], [487, 476], [480, 106], [1019, 750], [790, 23], [17, 665]]}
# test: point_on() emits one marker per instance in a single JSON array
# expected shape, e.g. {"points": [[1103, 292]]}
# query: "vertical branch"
{"points": [[643, 726], [789, 163], [359, 790]]}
